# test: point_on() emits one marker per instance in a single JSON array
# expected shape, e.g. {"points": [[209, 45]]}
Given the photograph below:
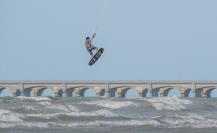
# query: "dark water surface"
{"points": [[102, 115]]}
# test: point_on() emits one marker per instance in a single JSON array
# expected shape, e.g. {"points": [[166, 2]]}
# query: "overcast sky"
{"points": [[143, 39]]}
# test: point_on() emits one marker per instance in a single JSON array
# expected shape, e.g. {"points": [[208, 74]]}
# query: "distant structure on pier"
{"points": [[109, 88]]}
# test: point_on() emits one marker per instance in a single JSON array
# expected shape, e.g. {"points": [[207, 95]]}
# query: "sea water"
{"points": [[107, 115]]}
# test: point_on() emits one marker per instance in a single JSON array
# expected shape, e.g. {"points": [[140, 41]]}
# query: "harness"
{"points": [[88, 45]]}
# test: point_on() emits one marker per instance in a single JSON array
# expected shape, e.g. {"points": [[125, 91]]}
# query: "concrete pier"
{"points": [[109, 88]]}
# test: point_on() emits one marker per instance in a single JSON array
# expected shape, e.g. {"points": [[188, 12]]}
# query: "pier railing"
{"points": [[151, 88]]}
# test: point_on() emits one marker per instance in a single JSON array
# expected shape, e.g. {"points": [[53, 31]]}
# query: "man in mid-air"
{"points": [[89, 46]]}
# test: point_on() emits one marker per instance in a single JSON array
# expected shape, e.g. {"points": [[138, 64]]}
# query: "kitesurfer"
{"points": [[89, 46]]}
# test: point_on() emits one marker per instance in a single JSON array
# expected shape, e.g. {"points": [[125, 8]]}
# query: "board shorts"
{"points": [[90, 49]]}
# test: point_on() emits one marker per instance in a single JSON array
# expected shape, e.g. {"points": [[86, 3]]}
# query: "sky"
{"points": [[143, 39]]}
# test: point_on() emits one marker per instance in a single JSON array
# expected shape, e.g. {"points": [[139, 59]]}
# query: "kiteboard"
{"points": [[96, 56]]}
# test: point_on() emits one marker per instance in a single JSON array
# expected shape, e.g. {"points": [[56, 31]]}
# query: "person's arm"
{"points": [[93, 36]]}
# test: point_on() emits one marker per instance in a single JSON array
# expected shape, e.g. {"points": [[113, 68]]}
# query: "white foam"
{"points": [[26, 107], [58, 107], [29, 108], [24, 124], [109, 123], [104, 113], [45, 103], [34, 98], [189, 120], [72, 108], [111, 104], [7, 125], [209, 123], [62, 107], [35, 124], [6, 115], [169, 103]]}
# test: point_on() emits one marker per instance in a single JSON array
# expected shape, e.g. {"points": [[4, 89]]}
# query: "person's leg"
{"points": [[91, 53], [91, 50], [95, 48]]}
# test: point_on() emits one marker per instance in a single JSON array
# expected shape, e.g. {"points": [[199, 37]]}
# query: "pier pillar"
{"points": [[193, 88]]}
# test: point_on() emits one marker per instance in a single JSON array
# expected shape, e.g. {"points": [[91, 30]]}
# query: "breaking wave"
{"points": [[168, 112], [169, 103], [111, 104]]}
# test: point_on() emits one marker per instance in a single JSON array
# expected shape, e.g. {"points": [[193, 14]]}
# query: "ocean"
{"points": [[107, 115]]}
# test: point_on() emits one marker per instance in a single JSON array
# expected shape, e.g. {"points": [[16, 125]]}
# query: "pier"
{"points": [[73, 88]]}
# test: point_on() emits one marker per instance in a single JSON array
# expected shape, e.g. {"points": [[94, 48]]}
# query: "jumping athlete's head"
{"points": [[87, 38]]}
